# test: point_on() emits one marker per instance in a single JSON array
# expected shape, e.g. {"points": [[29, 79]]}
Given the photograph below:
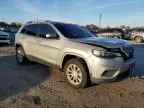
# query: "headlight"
{"points": [[105, 54]]}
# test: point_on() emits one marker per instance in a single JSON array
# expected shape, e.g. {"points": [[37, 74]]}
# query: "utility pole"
{"points": [[100, 17]]}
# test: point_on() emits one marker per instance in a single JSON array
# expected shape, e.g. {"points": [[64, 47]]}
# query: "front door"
{"points": [[48, 48]]}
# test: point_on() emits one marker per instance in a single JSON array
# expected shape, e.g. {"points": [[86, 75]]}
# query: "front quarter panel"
{"points": [[75, 52]]}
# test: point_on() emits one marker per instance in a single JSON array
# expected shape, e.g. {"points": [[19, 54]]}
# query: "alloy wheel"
{"points": [[74, 74]]}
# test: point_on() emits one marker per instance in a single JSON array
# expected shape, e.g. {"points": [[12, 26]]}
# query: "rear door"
{"points": [[48, 48], [29, 39]]}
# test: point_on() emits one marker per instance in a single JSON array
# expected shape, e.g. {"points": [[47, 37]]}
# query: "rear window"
{"points": [[30, 29]]}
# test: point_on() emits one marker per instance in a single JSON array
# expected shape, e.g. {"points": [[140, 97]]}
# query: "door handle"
{"points": [[38, 41], [23, 37]]}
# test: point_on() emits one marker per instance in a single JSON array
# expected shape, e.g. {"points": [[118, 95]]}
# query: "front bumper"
{"points": [[5, 41], [107, 70]]}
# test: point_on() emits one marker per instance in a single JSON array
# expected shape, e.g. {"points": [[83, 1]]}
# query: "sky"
{"points": [[114, 12]]}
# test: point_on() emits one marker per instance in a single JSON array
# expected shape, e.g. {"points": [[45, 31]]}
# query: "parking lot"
{"points": [[20, 84]]}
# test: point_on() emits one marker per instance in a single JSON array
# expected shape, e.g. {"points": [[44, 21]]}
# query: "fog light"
{"points": [[109, 73]]}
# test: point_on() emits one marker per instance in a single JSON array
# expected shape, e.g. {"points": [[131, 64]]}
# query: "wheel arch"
{"points": [[68, 56], [18, 45], [139, 36]]}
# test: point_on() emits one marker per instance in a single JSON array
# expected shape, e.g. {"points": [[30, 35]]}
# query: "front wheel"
{"points": [[76, 73]]}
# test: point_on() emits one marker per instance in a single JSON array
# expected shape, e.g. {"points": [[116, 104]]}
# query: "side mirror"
{"points": [[51, 35]]}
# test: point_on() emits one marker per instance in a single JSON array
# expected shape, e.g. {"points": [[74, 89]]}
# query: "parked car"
{"points": [[138, 35], [82, 56], [4, 38], [114, 33], [12, 31], [93, 32]]}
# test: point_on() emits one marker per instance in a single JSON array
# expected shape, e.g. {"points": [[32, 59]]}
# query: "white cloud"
{"points": [[135, 17], [25, 6], [116, 3], [37, 13], [81, 3], [131, 19], [33, 11], [88, 6]]}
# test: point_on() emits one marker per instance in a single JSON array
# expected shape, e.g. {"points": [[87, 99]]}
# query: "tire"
{"points": [[138, 39], [20, 56], [76, 73]]}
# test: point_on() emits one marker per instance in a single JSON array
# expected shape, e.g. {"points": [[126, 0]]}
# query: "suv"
{"points": [[79, 54], [138, 35], [115, 33], [11, 31], [4, 38]]}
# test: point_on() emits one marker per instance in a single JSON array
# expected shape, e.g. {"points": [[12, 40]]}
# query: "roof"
{"points": [[44, 21], [39, 21]]}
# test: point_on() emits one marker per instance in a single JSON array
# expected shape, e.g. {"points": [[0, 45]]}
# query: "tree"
{"points": [[3, 24], [15, 24], [128, 27], [91, 27], [123, 27], [108, 27]]}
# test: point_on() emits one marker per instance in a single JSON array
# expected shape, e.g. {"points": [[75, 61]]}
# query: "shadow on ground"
{"points": [[15, 78]]}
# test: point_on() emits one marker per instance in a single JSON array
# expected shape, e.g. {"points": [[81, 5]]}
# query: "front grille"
{"points": [[3, 38], [109, 73], [127, 53]]}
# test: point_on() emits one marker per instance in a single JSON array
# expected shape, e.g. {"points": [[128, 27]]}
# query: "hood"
{"points": [[3, 33], [102, 42]]}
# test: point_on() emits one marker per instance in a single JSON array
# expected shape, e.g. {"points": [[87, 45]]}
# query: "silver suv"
{"points": [[82, 56]]}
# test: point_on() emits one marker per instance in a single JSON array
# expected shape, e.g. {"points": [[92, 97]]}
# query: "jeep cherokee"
{"points": [[82, 56]]}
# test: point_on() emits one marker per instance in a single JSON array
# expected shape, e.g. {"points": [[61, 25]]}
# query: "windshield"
{"points": [[73, 31], [14, 30]]}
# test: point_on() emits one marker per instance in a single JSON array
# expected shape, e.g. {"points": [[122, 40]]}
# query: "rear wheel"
{"points": [[20, 56], [138, 39], [76, 73]]}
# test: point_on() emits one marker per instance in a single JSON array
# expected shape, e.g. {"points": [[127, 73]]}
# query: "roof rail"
{"points": [[29, 22], [39, 21], [47, 21]]}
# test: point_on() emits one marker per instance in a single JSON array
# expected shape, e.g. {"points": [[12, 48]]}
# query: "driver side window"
{"points": [[45, 29]]}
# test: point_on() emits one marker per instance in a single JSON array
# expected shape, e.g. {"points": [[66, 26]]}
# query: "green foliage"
{"points": [[13, 24], [3, 24], [91, 27]]}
